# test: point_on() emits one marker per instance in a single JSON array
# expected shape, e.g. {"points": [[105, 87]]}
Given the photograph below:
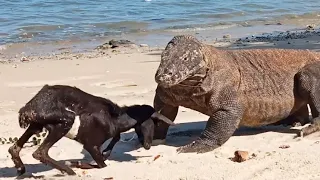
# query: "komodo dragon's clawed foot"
{"points": [[198, 146], [309, 130]]}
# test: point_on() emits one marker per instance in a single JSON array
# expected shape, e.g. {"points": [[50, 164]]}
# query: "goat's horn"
{"points": [[161, 117]]}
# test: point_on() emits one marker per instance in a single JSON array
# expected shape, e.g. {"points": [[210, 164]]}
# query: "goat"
{"points": [[67, 111]]}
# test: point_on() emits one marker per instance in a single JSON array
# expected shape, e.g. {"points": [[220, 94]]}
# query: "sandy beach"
{"points": [[126, 76]]}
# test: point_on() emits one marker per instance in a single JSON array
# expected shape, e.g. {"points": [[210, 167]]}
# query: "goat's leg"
{"points": [[107, 151], [56, 132], [95, 154], [15, 149]]}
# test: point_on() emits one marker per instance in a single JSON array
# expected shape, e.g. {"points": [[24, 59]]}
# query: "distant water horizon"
{"points": [[40, 20]]}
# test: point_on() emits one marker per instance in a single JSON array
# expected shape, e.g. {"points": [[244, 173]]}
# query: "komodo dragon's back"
{"points": [[267, 78]]}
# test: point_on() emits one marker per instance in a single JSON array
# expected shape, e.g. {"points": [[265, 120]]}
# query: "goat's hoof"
{"points": [[106, 154], [70, 172], [147, 146], [21, 171]]}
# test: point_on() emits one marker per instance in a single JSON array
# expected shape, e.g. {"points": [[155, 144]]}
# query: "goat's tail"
{"points": [[26, 117]]}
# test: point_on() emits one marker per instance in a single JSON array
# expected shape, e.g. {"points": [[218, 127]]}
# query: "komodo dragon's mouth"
{"points": [[195, 76], [195, 79]]}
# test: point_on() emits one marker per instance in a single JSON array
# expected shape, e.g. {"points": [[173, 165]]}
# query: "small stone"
{"points": [[144, 45], [108, 178], [24, 59], [268, 153], [311, 27], [240, 156], [284, 146], [227, 36], [121, 42]]}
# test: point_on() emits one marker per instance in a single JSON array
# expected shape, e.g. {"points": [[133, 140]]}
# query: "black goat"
{"points": [[90, 120]]}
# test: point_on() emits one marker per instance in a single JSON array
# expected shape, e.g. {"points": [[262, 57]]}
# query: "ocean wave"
{"points": [[257, 6], [220, 15], [37, 27], [199, 27], [40, 20], [311, 15], [128, 25]]}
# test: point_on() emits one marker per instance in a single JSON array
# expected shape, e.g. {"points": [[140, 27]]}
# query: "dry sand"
{"points": [[128, 78]]}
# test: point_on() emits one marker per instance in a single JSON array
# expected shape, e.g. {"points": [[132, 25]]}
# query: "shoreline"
{"points": [[15, 52], [125, 75]]}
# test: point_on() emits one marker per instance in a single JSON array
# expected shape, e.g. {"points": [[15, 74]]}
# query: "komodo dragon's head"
{"points": [[181, 60]]}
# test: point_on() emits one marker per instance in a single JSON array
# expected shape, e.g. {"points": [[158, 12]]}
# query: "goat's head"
{"points": [[145, 118]]}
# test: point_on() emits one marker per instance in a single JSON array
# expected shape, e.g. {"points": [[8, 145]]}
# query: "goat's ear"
{"points": [[147, 130], [160, 117], [127, 121]]}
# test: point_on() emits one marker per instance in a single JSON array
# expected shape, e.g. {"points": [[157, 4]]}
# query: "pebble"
{"points": [[311, 27], [284, 146], [240, 156], [144, 45], [227, 36], [24, 59]]}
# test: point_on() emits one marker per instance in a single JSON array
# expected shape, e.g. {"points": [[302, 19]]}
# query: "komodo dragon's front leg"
{"points": [[226, 115], [161, 129]]}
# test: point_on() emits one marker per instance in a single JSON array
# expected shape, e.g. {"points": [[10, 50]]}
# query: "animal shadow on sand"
{"points": [[178, 135], [119, 154], [184, 133]]}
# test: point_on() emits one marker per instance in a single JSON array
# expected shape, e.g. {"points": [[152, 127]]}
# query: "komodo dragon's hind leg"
{"points": [[298, 118], [307, 86]]}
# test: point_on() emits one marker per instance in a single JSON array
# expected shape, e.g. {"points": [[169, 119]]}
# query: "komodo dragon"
{"points": [[235, 88]]}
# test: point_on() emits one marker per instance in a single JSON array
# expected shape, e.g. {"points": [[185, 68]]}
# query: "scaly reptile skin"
{"points": [[235, 88]]}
